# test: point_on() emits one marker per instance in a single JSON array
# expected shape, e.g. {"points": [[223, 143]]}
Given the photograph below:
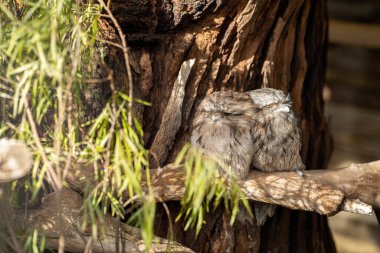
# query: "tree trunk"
{"points": [[238, 45]]}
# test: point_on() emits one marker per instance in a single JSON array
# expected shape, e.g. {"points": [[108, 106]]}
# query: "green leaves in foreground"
{"points": [[46, 54], [115, 144], [206, 188]]}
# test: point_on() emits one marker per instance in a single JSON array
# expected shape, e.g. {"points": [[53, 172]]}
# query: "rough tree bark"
{"points": [[238, 45]]}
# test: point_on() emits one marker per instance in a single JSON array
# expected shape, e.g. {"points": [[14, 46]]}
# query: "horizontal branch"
{"points": [[353, 189], [322, 191], [357, 181]]}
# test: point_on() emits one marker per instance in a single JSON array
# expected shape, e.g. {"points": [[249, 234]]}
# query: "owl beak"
{"points": [[283, 108], [215, 118]]}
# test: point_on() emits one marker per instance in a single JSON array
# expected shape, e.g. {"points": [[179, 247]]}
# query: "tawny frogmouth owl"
{"points": [[255, 129]]}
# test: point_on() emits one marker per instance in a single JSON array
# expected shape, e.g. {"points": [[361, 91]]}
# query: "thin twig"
{"points": [[68, 98], [104, 15], [109, 42], [89, 244], [97, 81], [64, 100], [167, 211], [113, 123], [6, 218], [126, 57], [55, 182]]}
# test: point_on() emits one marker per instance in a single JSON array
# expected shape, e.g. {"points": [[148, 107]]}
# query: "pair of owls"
{"points": [[255, 129]]}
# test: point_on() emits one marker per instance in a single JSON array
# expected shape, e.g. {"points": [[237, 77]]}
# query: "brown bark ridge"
{"points": [[237, 45]]}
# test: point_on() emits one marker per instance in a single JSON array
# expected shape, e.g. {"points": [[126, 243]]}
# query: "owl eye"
{"points": [[270, 106], [233, 113]]}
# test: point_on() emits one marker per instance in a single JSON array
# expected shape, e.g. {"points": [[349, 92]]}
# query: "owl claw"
{"points": [[300, 172]]}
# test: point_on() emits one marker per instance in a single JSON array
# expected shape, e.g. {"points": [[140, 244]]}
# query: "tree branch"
{"points": [[46, 220], [319, 191], [353, 189], [322, 191]]}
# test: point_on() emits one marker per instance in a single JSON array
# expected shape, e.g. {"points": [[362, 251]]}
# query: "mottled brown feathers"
{"points": [[256, 129]]}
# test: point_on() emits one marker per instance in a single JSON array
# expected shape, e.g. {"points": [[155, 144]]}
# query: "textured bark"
{"points": [[238, 45], [47, 220], [352, 189]]}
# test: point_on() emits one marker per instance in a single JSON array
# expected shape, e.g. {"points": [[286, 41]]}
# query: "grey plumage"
{"points": [[276, 133], [222, 126], [256, 129]]}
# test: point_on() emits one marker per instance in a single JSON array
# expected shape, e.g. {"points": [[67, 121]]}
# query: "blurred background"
{"points": [[353, 107]]}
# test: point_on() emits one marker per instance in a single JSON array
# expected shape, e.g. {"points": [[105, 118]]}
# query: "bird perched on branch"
{"points": [[256, 129]]}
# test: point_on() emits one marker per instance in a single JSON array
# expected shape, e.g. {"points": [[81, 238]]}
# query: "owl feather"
{"points": [[252, 130]]}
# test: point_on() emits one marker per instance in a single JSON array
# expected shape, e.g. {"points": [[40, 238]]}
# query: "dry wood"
{"points": [[46, 220], [325, 192], [171, 120], [322, 191], [357, 181]]}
